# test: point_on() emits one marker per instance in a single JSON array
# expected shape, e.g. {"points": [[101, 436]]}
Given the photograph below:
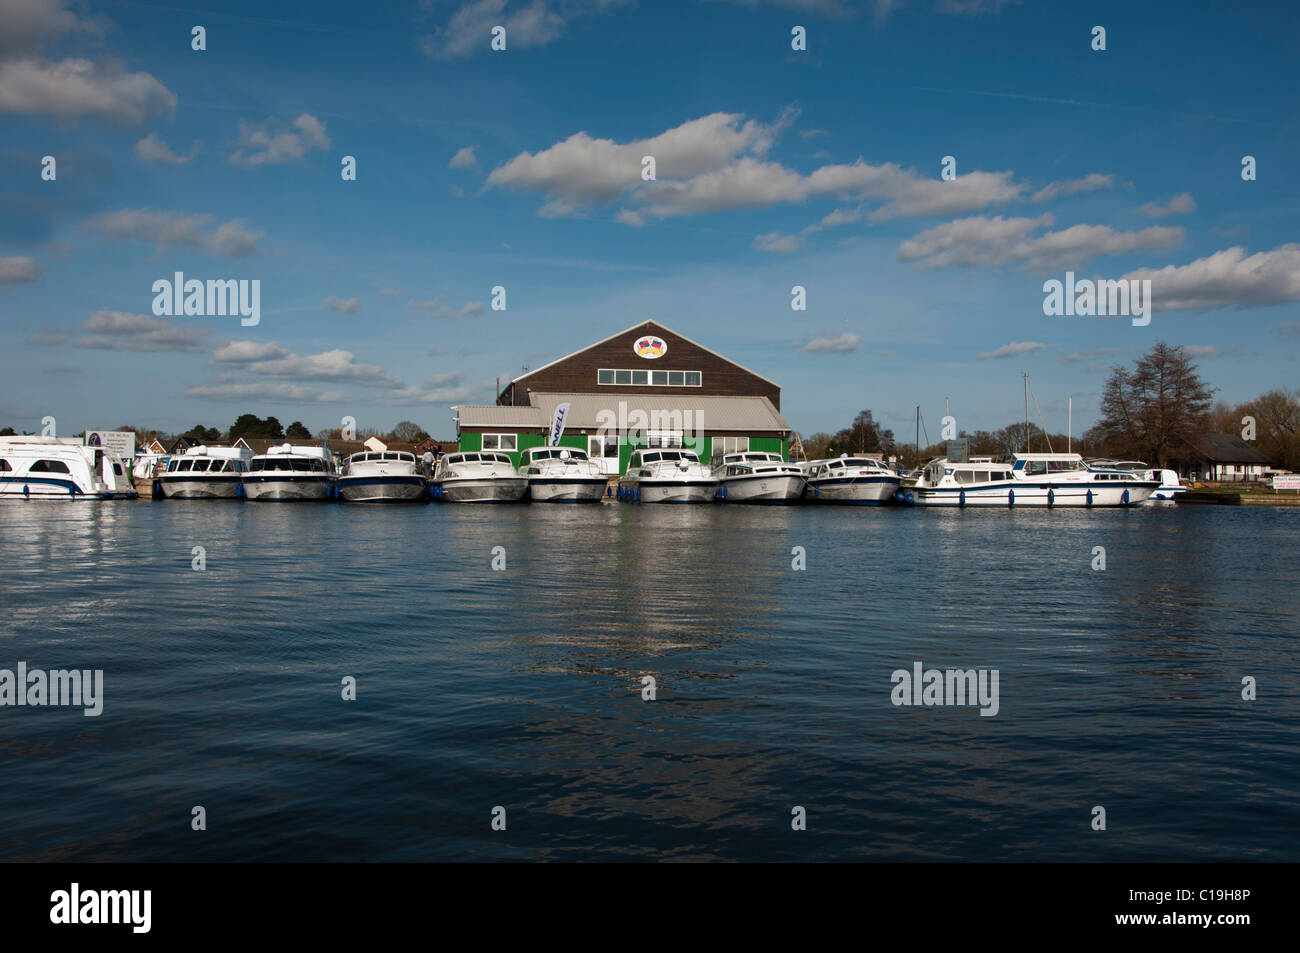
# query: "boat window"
{"points": [[171, 465], [117, 468], [256, 465], [1034, 467], [1061, 466], [49, 466], [220, 466], [964, 476], [4, 466], [651, 457], [670, 455], [186, 466]]}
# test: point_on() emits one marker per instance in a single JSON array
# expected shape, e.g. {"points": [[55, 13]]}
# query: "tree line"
{"points": [[1157, 410]]}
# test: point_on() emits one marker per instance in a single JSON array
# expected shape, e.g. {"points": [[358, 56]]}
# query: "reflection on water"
{"points": [[522, 688]]}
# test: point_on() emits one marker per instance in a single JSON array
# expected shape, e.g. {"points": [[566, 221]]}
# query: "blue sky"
{"points": [[522, 168]]}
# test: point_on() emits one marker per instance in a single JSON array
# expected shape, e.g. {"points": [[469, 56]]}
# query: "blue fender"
{"points": [[1087, 500], [1011, 497], [1125, 496], [961, 497], [1051, 496]]}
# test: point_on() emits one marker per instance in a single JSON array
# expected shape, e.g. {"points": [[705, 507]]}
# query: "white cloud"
{"points": [[1089, 183], [152, 149], [438, 310], [327, 365], [342, 306], [264, 390], [389, 292], [829, 343], [1013, 349], [1181, 204], [27, 25], [177, 229], [76, 89], [463, 159], [18, 270], [1081, 357], [244, 352], [776, 242], [123, 331], [469, 30], [982, 241], [581, 171], [271, 142], [439, 389], [1226, 279]]}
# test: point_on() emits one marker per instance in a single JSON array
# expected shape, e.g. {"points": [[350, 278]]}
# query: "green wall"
{"points": [[471, 442]]}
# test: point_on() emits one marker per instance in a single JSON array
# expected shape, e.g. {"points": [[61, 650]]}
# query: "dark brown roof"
{"points": [[1225, 448]]}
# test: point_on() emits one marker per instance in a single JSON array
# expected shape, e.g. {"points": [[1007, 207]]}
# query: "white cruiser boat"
{"points": [[855, 480], [205, 473], [667, 476], [288, 473], [388, 476], [1027, 479], [1170, 488], [562, 475], [753, 477], [36, 468], [483, 477]]}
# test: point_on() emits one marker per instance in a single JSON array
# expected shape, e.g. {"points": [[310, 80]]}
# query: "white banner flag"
{"points": [[557, 423]]}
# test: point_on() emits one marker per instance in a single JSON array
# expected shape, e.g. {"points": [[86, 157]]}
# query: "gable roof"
{"points": [[643, 326], [1225, 448]]}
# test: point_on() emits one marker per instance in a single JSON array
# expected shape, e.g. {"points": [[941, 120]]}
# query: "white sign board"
{"points": [[1289, 481], [120, 443]]}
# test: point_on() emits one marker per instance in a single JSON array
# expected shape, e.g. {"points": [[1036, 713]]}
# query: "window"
{"points": [[664, 438], [4, 466], [609, 448], [186, 466], [655, 378], [500, 441], [49, 466], [730, 444], [172, 465]]}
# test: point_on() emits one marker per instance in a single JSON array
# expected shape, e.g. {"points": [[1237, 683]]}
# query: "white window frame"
{"points": [[499, 438]]}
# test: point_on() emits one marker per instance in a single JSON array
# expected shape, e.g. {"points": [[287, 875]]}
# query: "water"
{"points": [[522, 688]]}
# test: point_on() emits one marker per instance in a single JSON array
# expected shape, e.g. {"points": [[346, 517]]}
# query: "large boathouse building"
{"points": [[645, 386]]}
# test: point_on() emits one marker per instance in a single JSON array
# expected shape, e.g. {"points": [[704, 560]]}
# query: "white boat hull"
{"points": [[195, 489], [567, 490], [860, 491], [670, 491], [383, 489], [763, 488], [28, 488], [1072, 494], [482, 489], [286, 490]]}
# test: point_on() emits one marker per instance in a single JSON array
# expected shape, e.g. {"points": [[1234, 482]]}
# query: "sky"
{"points": [[774, 167]]}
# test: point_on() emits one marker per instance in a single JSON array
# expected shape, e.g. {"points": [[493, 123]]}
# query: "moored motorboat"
{"points": [[667, 476], [1170, 488], [478, 477], [751, 476], [1027, 479], [290, 473], [387, 476], [46, 468], [562, 475], [205, 473], [853, 480]]}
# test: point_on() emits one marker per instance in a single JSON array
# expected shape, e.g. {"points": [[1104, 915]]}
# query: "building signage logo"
{"points": [[650, 347]]}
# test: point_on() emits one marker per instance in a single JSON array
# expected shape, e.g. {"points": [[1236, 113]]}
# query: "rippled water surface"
{"points": [[522, 688]]}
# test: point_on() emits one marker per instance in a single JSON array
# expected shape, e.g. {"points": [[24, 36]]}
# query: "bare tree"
{"points": [[1156, 409]]}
